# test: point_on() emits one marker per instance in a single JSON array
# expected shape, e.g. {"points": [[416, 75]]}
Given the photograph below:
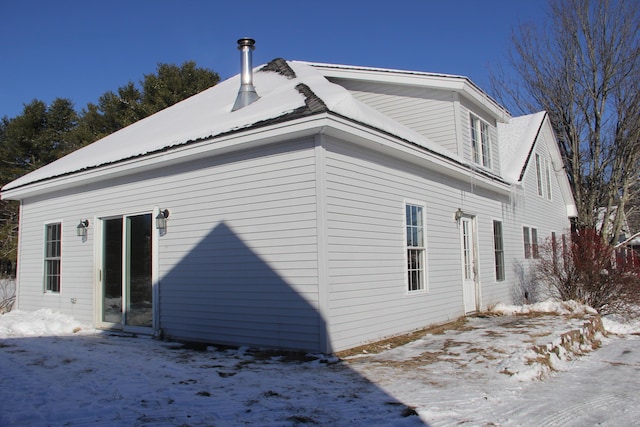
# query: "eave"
{"points": [[327, 123]]}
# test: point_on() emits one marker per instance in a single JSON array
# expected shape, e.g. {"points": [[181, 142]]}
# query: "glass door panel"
{"points": [[112, 271], [138, 279], [127, 290]]}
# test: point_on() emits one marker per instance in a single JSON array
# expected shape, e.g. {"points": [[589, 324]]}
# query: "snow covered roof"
{"points": [[516, 139], [287, 89]]}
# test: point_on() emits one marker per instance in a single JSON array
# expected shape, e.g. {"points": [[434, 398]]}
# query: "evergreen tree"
{"points": [[42, 134]]}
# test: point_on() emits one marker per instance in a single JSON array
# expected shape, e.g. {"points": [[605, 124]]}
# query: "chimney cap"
{"points": [[246, 41]]}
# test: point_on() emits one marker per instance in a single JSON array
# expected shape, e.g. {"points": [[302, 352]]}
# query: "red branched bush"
{"points": [[587, 269]]}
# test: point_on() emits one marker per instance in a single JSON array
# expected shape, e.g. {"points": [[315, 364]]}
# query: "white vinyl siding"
{"points": [[546, 212], [430, 112], [269, 246], [238, 263], [368, 296]]}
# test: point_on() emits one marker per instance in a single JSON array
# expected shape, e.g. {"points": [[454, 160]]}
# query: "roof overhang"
{"points": [[326, 123]]}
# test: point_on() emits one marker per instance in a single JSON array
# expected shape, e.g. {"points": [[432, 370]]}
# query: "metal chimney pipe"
{"points": [[247, 93]]}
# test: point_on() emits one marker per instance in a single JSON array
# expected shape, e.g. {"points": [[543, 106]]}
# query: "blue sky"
{"points": [[81, 49]]}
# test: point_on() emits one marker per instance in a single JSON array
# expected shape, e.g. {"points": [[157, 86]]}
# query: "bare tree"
{"points": [[583, 68]]}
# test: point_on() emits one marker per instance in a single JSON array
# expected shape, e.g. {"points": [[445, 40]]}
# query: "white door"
{"points": [[469, 265]]}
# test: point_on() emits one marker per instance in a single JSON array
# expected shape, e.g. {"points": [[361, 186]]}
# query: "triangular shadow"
{"points": [[223, 292]]}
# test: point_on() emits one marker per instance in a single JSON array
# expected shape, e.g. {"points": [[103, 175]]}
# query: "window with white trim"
{"points": [[543, 176], [530, 238], [480, 141], [539, 174], [498, 250], [52, 256], [416, 260], [547, 174]]}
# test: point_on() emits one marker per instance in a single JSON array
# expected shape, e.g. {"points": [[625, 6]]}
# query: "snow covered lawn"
{"points": [[54, 371]]}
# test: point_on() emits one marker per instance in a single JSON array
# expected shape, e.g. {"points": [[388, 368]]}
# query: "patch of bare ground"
{"points": [[400, 340], [426, 358]]}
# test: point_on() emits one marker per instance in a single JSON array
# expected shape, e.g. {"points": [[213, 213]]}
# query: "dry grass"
{"points": [[400, 340]]}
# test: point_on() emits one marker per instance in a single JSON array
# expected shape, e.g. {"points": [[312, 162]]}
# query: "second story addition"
{"points": [[449, 110]]}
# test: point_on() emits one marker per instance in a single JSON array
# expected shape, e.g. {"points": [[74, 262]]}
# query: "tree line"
{"points": [[43, 133]]}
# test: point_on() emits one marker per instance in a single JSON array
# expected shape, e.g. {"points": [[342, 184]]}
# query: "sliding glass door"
{"points": [[126, 273]]}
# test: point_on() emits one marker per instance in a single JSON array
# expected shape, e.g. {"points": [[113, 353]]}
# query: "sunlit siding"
{"points": [[76, 287], [544, 214], [430, 112], [365, 211], [238, 264]]}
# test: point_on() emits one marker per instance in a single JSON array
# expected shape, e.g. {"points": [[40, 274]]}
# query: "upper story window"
{"points": [[543, 176], [52, 256], [480, 142]]}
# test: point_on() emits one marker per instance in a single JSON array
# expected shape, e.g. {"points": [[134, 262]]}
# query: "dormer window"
{"points": [[480, 142]]}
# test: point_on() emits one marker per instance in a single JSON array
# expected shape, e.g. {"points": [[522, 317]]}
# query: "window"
{"points": [[498, 250], [480, 142], [52, 253], [539, 174], [554, 249], [547, 175], [530, 237], [415, 247], [543, 176]]}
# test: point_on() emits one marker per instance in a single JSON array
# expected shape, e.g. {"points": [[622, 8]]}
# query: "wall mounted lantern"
{"points": [[81, 229], [458, 215], [161, 219]]}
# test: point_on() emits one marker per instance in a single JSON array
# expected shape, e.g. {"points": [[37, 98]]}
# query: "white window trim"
{"points": [[504, 267], [44, 257], [547, 172], [539, 180], [425, 278], [543, 176], [481, 148], [533, 254]]}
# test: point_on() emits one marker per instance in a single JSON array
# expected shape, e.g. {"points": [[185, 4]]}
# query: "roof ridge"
{"points": [[280, 66], [313, 102]]}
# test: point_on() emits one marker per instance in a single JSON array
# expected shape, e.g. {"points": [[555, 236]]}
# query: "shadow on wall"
{"points": [[223, 292]]}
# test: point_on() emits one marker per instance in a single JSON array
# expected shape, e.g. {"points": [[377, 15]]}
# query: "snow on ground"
{"points": [[55, 371]]}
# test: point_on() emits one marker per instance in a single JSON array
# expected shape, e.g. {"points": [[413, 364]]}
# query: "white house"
{"points": [[321, 207]]}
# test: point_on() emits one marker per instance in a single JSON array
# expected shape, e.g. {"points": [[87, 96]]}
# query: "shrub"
{"points": [[586, 269], [7, 294]]}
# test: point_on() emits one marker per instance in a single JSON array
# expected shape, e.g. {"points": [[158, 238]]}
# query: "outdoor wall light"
{"points": [[81, 229], [161, 219], [458, 215]]}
